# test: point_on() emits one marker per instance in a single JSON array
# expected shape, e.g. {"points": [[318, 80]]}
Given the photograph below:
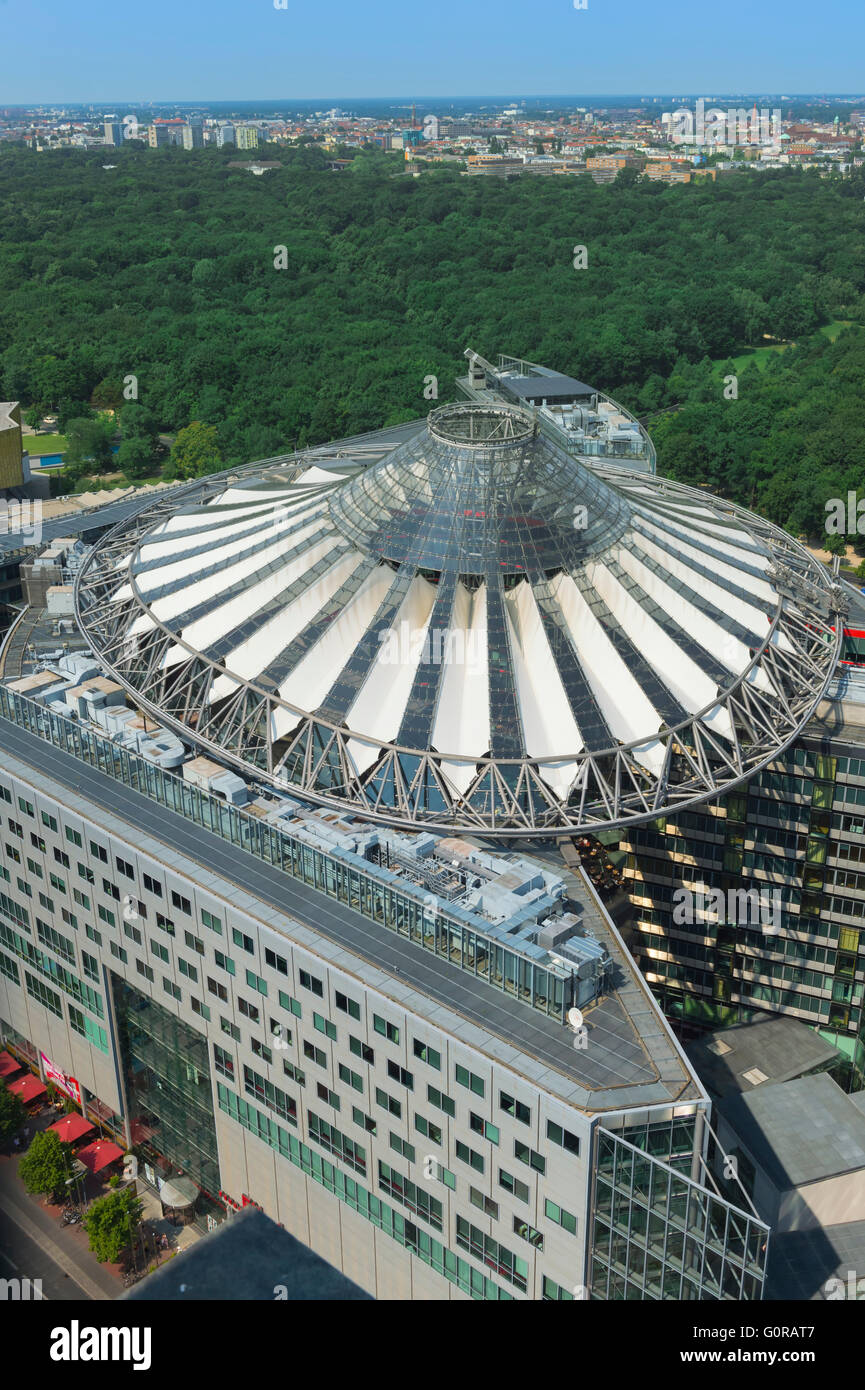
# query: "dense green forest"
{"points": [[163, 267]]}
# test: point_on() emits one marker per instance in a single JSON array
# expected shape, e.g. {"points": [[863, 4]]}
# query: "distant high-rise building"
{"points": [[226, 135], [246, 137], [431, 127], [158, 136], [113, 132], [193, 135]]}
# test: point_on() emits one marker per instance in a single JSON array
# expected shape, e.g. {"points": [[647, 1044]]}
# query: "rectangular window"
{"points": [[98, 852], [315, 1054], [171, 988], [261, 1050], [514, 1107], [165, 923], [522, 1228], [398, 1073], [290, 1004], [513, 1185], [427, 1054], [186, 969], [219, 990], [199, 1008], [223, 1061], [402, 1147], [229, 1028], [182, 904], [152, 885], [351, 1078], [161, 951], [387, 1030], [91, 965], [387, 1102], [224, 962], [361, 1050], [245, 942], [248, 1010], [469, 1156], [124, 867], [211, 921], [72, 836], [529, 1157], [469, 1079], [324, 1025], [560, 1216], [440, 1101], [347, 1005], [144, 969], [481, 1126], [275, 962], [563, 1137], [311, 983], [483, 1203], [427, 1129], [194, 943], [366, 1122], [554, 1293], [256, 982], [324, 1093]]}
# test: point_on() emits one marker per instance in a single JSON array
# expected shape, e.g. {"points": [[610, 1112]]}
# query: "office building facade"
{"points": [[794, 830]]}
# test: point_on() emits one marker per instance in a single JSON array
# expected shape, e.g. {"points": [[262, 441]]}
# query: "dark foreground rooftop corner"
{"points": [[249, 1257]]}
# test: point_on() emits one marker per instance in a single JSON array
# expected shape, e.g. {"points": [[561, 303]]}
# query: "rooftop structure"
{"points": [[476, 630], [578, 417]]}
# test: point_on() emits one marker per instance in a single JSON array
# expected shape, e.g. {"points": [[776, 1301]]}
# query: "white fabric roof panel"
{"points": [[599, 637]]}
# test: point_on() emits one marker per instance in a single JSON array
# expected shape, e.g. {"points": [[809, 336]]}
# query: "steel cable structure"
{"points": [[475, 631]]}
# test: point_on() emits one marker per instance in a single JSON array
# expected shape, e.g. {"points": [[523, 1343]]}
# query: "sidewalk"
{"points": [[68, 1246]]}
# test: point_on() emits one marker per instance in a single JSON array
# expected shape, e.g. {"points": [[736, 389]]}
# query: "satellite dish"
{"points": [[575, 1018]]}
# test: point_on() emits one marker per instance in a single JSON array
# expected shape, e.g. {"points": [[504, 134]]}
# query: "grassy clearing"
{"points": [[45, 443], [760, 355]]}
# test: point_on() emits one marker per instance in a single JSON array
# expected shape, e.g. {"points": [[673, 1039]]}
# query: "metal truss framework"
{"points": [[507, 797]]}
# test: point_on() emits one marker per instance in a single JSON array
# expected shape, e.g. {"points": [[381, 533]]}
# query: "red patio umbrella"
{"points": [[28, 1087], [99, 1155], [9, 1064], [72, 1127]]}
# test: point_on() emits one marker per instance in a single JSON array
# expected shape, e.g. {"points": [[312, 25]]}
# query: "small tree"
{"points": [[89, 442], [12, 1115], [112, 1223], [46, 1165], [195, 451]]}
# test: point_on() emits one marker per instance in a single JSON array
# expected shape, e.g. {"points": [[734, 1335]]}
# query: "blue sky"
{"points": [[232, 50]]}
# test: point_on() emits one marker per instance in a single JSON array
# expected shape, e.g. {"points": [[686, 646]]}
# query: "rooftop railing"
{"points": [[376, 892]]}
